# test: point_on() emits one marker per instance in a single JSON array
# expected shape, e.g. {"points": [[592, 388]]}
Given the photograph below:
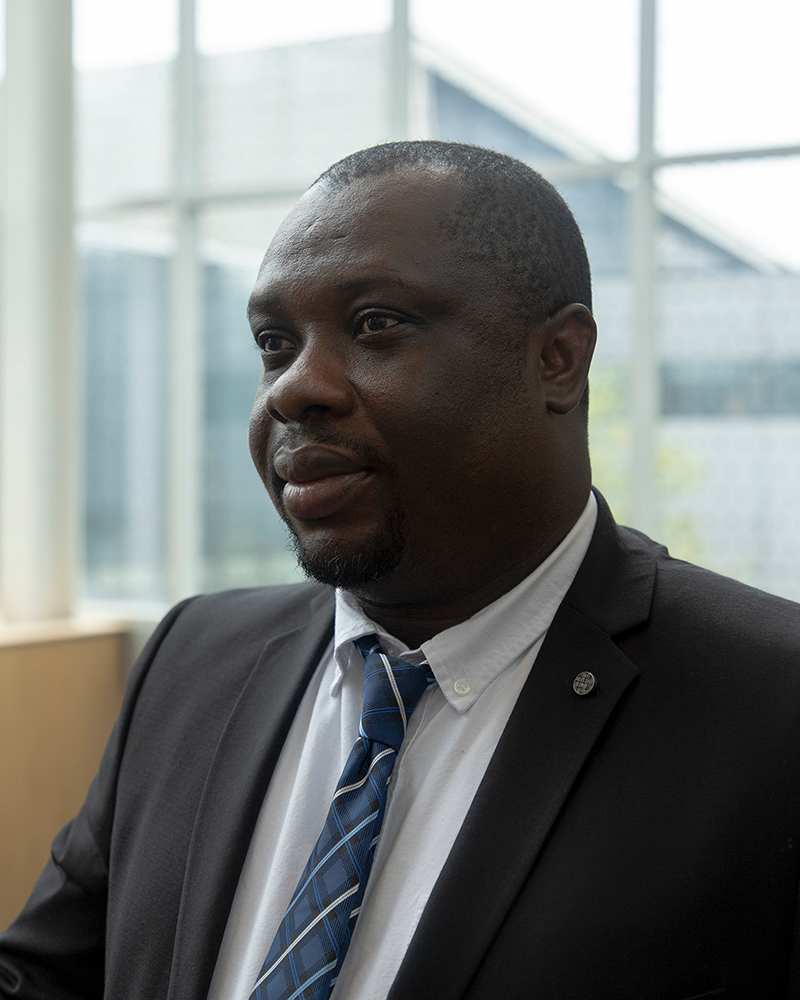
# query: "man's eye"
{"points": [[272, 343], [375, 324]]}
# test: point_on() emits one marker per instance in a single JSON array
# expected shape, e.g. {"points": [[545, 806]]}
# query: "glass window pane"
{"points": [[750, 208], [569, 69], [124, 270], [123, 99], [239, 25], [123, 33], [294, 95], [244, 540], [602, 209], [727, 74], [729, 332]]}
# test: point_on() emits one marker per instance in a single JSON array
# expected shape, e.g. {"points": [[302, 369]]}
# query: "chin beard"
{"points": [[349, 570]]}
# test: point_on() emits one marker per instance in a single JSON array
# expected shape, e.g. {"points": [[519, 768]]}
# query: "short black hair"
{"points": [[509, 213]]}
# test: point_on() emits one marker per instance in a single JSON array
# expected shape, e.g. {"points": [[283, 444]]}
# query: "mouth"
{"points": [[319, 480]]}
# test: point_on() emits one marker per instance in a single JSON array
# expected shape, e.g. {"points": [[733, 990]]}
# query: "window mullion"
{"points": [[185, 374], [644, 407]]}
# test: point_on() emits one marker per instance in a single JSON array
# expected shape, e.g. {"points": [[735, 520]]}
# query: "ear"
{"points": [[567, 348]]}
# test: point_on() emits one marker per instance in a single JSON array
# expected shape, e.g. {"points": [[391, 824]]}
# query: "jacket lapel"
{"points": [[547, 740], [235, 787]]}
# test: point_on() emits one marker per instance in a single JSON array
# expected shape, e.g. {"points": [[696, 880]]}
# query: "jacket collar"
{"points": [[614, 585], [548, 738], [237, 781]]}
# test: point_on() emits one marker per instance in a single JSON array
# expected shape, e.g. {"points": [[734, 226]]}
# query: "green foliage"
{"points": [[610, 438], [678, 469]]}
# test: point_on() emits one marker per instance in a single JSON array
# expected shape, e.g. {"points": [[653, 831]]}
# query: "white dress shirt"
{"points": [[480, 667]]}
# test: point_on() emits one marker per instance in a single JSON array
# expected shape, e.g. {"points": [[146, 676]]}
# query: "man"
{"points": [[595, 791]]}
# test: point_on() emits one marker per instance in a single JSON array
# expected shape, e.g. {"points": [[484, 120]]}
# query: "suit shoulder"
{"points": [[259, 606], [226, 631], [707, 603]]}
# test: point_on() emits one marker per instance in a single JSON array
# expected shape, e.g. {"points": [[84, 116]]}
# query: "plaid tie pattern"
{"points": [[311, 942]]}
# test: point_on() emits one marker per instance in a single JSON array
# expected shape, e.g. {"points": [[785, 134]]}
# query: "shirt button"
{"points": [[462, 687]]}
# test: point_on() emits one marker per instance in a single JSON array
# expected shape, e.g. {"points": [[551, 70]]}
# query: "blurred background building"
{"points": [[696, 387], [188, 130]]}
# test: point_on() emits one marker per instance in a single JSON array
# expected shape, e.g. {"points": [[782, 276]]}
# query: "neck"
{"points": [[415, 621]]}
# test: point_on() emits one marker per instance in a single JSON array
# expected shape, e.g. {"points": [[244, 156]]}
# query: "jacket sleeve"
{"points": [[55, 948]]}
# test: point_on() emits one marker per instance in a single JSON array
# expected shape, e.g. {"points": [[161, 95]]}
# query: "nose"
{"points": [[314, 383]]}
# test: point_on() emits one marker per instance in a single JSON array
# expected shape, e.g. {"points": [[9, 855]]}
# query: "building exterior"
{"points": [[728, 332]]}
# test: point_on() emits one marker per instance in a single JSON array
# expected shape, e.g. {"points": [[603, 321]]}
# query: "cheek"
{"points": [[462, 431], [435, 437]]}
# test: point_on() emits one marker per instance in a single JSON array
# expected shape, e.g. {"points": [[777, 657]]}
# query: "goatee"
{"points": [[337, 568]]}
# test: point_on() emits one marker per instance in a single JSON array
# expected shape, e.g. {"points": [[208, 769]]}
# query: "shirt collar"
{"points": [[468, 656]]}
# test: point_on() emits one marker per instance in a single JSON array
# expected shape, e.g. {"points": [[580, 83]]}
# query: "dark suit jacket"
{"points": [[638, 842]]}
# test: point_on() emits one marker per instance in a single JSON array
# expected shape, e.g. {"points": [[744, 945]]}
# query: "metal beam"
{"points": [[185, 335], [399, 69], [718, 156], [38, 372], [644, 394], [554, 170]]}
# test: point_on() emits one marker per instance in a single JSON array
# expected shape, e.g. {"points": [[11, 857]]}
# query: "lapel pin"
{"points": [[584, 683]]}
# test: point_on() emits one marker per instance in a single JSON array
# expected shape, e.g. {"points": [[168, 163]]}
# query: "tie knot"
{"points": [[392, 688]]}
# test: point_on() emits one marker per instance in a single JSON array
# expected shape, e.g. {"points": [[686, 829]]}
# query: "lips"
{"points": [[320, 480]]}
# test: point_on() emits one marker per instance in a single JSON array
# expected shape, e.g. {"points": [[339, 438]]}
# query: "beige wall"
{"points": [[60, 690]]}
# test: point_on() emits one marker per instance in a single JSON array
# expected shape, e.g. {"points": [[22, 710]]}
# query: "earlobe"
{"points": [[569, 339]]}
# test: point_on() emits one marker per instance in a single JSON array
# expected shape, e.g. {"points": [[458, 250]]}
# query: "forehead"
{"points": [[392, 225]]}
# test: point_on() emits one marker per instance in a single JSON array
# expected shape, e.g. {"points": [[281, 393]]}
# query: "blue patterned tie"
{"points": [[309, 948]]}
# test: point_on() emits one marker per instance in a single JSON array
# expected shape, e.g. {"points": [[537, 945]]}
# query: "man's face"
{"points": [[399, 424]]}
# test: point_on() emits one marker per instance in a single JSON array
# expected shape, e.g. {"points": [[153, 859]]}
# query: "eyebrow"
{"points": [[270, 305], [256, 304]]}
